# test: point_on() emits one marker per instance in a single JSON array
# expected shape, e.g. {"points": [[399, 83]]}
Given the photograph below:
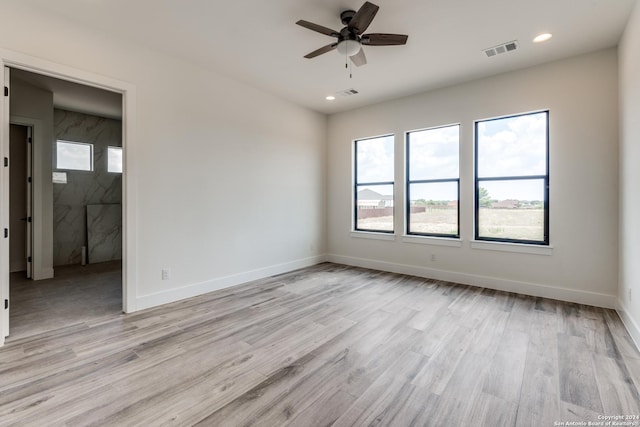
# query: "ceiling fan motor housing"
{"points": [[346, 16]]}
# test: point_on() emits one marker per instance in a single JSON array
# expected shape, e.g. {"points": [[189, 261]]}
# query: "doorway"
{"points": [[84, 292], [20, 200]]}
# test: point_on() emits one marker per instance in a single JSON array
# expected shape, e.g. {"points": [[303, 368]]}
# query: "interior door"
{"points": [[4, 209], [18, 216]]}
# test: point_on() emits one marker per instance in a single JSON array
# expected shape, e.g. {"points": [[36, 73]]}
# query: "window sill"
{"points": [[373, 235], [431, 240], [512, 247]]}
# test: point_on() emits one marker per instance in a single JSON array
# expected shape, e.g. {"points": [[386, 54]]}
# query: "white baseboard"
{"points": [[533, 289], [172, 295], [632, 326]]}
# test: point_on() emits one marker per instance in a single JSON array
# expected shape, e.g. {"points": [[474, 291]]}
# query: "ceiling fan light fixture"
{"points": [[349, 47]]}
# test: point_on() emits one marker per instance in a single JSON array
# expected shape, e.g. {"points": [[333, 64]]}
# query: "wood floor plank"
{"points": [[384, 401], [436, 374], [324, 410], [489, 410], [505, 375], [325, 345], [578, 384], [541, 409], [617, 390]]}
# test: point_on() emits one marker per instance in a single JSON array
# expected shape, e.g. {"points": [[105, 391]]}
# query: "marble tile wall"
{"points": [[104, 233], [70, 200]]}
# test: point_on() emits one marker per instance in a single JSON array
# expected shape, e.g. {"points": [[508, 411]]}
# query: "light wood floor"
{"points": [[328, 345], [77, 294]]}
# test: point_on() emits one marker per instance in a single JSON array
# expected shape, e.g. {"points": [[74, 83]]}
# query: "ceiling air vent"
{"points": [[347, 92], [501, 48]]}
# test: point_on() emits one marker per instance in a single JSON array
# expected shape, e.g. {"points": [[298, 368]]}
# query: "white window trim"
{"points": [[373, 235], [522, 248], [433, 240]]}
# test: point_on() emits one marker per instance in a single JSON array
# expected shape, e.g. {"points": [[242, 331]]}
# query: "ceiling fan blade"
{"points": [[324, 49], [363, 17], [318, 28], [359, 58], [380, 39]]}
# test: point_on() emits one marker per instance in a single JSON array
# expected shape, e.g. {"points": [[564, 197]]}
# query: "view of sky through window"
{"points": [[513, 146], [114, 159], [74, 155]]}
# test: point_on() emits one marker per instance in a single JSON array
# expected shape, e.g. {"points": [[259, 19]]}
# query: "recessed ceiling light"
{"points": [[330, 98], [542, 38]]}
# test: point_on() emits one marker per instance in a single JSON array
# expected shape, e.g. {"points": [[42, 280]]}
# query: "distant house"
{"points": [[506, 204], [370, 199]]}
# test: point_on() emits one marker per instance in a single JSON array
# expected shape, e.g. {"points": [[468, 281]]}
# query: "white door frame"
{"points": [[129, 188], [4, 208]]}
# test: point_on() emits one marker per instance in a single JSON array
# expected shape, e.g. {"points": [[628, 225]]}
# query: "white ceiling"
{"points": [[258, 42]]}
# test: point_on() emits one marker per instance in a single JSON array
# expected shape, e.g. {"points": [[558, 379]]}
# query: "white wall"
{"points": [[629, 52], [229, 179], [581, 94]]}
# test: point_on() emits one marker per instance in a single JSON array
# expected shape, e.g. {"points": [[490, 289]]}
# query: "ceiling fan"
{"points": [[352, 37]]}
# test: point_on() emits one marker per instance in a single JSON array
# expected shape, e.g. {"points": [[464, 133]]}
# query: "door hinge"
{"points": [[6, 91], [6, 304], [6, 233], [6, 162]]}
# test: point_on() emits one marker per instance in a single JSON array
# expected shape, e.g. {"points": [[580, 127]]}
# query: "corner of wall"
{"points": [[632, 326]]}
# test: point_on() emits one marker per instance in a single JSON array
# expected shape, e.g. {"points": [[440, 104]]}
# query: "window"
{"points": [[512, 179], [433, 182], [114, 159], [74, 155], [373, 170]]}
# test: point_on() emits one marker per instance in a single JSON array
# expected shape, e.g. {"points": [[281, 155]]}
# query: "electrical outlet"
{"points": [[166, 274], [433, 257]]}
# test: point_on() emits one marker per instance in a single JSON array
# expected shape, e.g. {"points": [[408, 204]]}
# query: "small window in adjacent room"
{"points": [[114, 159], [433, 182], [74, 155], [373, 191], [512, 179]]}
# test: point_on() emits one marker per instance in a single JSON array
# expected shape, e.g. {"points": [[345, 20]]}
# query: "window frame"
{"points": [[545, 178], [356, 184], [408, 183], [91, 155]]}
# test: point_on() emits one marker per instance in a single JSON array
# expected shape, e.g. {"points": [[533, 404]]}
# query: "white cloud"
{"points": [[433, 153], [513, 146], [375, 159]]}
